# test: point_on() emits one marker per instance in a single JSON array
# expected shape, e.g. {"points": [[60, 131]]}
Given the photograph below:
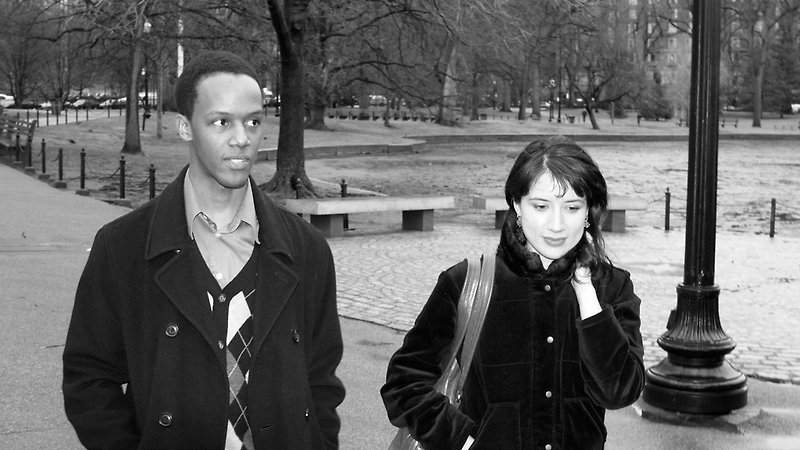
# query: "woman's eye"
{"points": [[540, 206]]}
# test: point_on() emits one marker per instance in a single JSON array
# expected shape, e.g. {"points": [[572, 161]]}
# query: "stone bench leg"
{"points": [[500, 218], [614, 222], [418, 220], [330, 226]]}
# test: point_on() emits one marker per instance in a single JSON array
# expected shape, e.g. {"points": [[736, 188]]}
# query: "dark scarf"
{"points": [[526, 263]]}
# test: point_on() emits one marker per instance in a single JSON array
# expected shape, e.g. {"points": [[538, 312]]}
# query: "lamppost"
{"points": [[147, 27], [695, 378], [552, 86]]}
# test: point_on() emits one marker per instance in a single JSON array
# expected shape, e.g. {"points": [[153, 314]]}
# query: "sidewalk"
{"points": [[384, 277]]}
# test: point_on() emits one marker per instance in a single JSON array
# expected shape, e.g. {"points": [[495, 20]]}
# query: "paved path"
{"points": [[385, 278]]}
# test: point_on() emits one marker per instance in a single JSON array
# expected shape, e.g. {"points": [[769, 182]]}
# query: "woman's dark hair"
{"points": [[570, 166], [205, 64]]}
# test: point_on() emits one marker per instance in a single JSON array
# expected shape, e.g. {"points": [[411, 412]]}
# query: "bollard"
{"points": [[772, 219], [60, 164], [346, 220], [18, 149], [83, 169], [122, 177], [27, 115], [667, 197], [76, 115], [47, 117], [152, 181], [29, 151], [37, 115], [44, 158]]}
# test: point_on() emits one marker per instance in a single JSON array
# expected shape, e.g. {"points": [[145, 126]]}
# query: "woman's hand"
{"points": [[588, 303]]}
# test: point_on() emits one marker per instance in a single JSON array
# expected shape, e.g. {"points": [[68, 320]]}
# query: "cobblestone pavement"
{"points": [[385, 277]]}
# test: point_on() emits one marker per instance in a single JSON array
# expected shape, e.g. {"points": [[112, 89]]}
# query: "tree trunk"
{"points": [[290, 164], [535, 113], [475, 95], [505, 105], [758, 82], [316, 117], [592, 119], [449, 94], [132, 142]]}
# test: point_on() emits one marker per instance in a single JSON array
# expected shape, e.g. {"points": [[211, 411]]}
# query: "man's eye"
{"points": [[221, 122], [253, 122]]}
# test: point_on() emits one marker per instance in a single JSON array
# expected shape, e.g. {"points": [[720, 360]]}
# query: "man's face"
{"points": [[224, 131]]}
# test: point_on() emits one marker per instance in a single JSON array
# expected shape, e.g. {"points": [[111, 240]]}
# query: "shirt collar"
{"points": [[246, 211]]}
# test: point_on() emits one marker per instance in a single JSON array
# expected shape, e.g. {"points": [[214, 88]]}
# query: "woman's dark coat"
{"points": [[540, 377], [142, 363]]}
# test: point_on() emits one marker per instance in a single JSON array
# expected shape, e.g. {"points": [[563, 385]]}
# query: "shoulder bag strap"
{"points": [[477, 316], [447, 384]]}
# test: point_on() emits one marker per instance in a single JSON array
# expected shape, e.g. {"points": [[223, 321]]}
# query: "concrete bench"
{"points": [[614, 221], [327, 214]]}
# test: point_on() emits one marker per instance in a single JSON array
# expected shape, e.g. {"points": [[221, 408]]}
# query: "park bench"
{"points": [[614, 221], [328, 214], [11, 127]]}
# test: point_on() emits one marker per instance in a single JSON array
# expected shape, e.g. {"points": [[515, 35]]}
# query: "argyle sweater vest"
{"points": [[231, 308]]}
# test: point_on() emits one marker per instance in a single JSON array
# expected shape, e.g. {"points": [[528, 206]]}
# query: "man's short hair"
{"points": [[203, 65]]}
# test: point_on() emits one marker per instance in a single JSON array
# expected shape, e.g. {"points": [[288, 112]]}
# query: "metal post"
{"points": [[18, 149], [60, 164], [87, 113], [122, 177], [346, 220], [152, 179], [47, 117], [772, 219], [695, 378], [667, 197], [83, 169], [29, 151], [44, 158], [76, 115]]}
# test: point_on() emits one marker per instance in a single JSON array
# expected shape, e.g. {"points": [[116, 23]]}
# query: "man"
{"points": [[206, 319]]}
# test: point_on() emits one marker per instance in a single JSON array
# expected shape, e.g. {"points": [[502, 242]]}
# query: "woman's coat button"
{"points": [[171, 330], [165, 419]]}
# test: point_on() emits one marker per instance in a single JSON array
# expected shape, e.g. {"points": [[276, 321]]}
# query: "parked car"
{"points": [[795, 108], [85, 103], [6, 100]]}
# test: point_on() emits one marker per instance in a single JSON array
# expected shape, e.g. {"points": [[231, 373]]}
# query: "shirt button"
{"points": [[218, 275], [222, 298], [165, 419], [550, 339], [547, 288], [220, 344], [296, 336], [218, 235], [548, 394], [548, 447], [171, 330]]}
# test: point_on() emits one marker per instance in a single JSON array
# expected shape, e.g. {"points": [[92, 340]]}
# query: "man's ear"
{"points": [[184, 127]]}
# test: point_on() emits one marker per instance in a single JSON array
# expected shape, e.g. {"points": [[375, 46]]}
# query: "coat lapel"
{"points": [[277, 280], [169, 233]]}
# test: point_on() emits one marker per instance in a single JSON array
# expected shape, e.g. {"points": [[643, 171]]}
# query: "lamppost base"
{"points": [[695, 390]]}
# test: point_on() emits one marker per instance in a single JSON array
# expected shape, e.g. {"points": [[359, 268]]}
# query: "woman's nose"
{"points": [[556, 222]]}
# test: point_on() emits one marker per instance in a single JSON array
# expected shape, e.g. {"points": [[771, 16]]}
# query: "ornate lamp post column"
{"points": [[695, 377]]}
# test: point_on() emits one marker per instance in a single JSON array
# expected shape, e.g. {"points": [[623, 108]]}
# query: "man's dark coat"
{"points": [[143, 367]]}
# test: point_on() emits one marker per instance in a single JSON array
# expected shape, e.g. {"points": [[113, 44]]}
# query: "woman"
{"points": [[561, 341]]}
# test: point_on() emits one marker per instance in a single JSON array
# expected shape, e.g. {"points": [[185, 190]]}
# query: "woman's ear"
{"points": [[184, 127], [516, 207]]}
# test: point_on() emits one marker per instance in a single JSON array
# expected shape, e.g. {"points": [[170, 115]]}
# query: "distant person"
{"points": [[561, 340], [583, 113], [206, 319]]}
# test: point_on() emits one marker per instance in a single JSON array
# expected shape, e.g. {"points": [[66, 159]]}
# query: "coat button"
{"points": [[171, 330], [547, 288], [222, 298], [296, 336], [548, 447], [548, 394], [220, 344], [165, 419], [550, 339]]}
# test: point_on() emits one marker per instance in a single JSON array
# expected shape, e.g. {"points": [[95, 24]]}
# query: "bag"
{"points": [[472, 306]]}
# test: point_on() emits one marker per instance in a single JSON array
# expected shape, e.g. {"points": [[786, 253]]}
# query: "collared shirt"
{"points": [[226, 248]]}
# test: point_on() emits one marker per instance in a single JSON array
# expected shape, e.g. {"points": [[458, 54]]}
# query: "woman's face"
{"points": [[552, 220]]}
